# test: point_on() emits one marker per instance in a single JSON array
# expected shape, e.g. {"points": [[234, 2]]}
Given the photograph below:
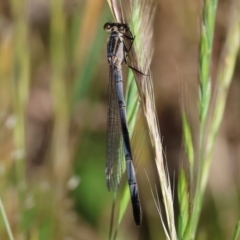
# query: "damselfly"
{"points": [[118, 141]]}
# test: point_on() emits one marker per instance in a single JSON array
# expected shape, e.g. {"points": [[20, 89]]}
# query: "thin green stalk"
{"points": [[131, 101], [87, 48], [236, 231], [205, 58], [110, 236], [59, 147], [20, 83], [184, 184], [20, 88], [224, 77], [225, 74], [183, 197], [125, 199], [59, 93], [188, 144], [9, 231], [205, 53]]}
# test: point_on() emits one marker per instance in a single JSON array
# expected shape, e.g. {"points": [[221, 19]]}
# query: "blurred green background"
{"points": [[53, 108]]}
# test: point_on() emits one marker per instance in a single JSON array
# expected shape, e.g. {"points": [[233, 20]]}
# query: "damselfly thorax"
{"points": [[117, 44]]}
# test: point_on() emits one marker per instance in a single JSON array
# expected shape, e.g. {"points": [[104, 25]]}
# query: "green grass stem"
{"points": [[188, 144], [236, 231], [20, 84], [205, 58], [59, 93], [183, 197], [8, 228], [20, 88], [225, 74]]}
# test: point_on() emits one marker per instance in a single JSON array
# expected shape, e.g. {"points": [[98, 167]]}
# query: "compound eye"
{"points": [[107, 26], [122, 28]]}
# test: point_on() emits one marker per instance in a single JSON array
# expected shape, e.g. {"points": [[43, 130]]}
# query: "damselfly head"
{"points": [[115, 27]]}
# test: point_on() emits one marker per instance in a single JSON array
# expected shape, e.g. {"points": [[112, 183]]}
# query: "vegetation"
{"points": [[53, 108]]}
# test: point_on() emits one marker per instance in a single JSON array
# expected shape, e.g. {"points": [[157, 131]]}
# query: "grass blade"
{"points": [[9, 231], [183, 198], [236, 231], [188, 144]]}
